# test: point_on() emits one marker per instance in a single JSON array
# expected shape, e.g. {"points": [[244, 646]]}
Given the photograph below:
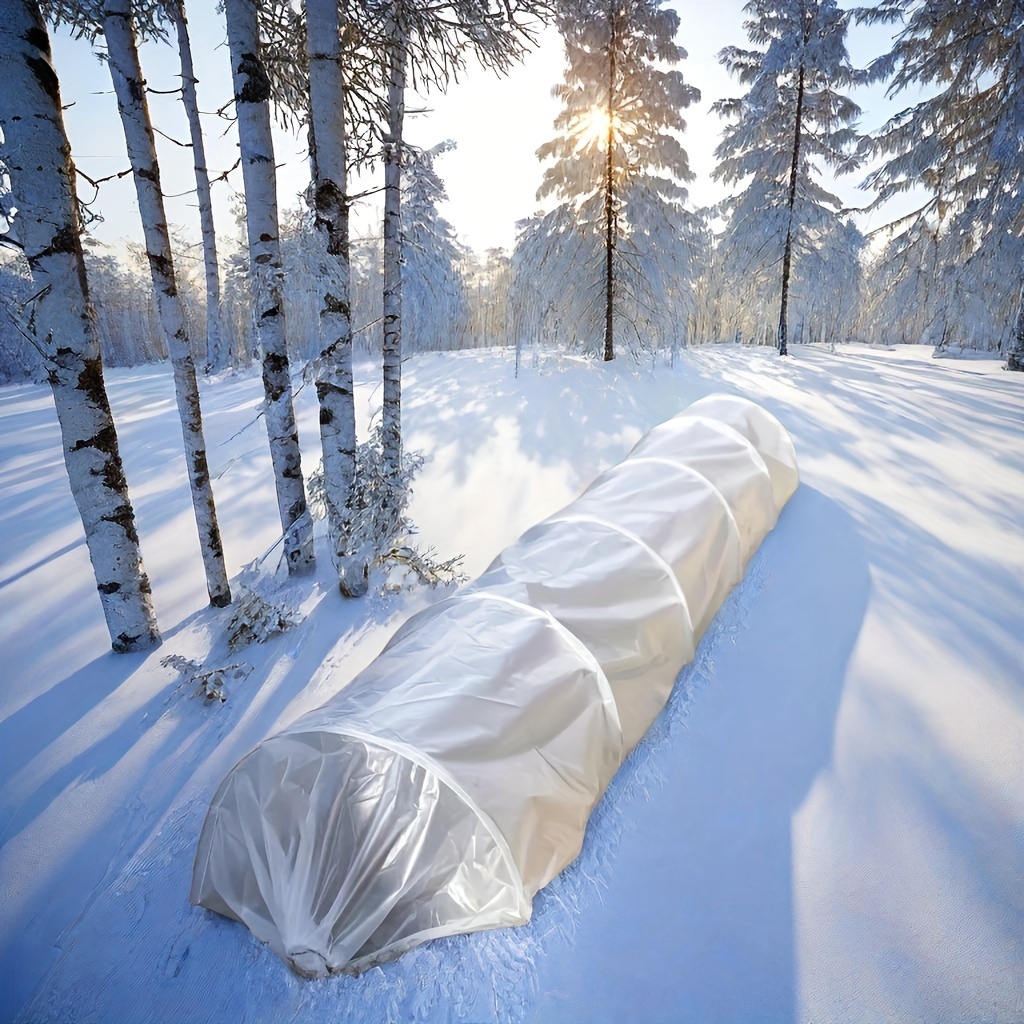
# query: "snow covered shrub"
{"points": [[256, 617], [209, 683], [382, 532]]}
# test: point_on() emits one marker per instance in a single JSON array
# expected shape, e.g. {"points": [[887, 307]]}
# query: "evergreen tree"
{"points": [[792, 120], [434, 293], [617, 168], [965, 144]]}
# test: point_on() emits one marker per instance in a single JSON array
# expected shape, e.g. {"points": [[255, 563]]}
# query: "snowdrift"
{"points": [[453, 777]]}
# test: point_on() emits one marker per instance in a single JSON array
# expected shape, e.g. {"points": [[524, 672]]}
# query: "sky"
{"points": [[497, 122]]}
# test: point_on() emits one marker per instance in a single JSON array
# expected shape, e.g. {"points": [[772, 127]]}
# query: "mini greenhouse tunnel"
{"points": [[454, 776]]}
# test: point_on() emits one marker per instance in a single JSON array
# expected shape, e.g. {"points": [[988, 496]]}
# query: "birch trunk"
{"points": [[259, 176], [787, 252], [37, 158], [328, 195], [130, 88], [1015, 357], [216, 354], [391, 414], [609, 195]]}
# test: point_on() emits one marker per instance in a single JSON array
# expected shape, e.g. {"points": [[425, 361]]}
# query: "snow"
{"points": [[826, 823]]}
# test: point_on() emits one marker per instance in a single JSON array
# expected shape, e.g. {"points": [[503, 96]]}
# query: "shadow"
{"points": [[170, 753], [39, 563], [35, 725], [587, 430], [696, 920]]}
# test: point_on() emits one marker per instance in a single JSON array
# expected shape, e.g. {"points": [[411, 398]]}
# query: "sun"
{"points": [[593, 126]]}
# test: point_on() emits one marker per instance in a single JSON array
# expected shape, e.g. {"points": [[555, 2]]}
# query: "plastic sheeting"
{"points": [[453, 777]]}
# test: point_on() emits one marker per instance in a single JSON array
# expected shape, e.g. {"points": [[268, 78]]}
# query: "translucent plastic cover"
{"points": [[454, 776]]}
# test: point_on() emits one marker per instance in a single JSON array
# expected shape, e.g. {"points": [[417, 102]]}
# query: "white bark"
{"points": [[38, 161], [391, 414], [216, 350], [252, 106], [329, 199], [130, 88], [1015, 357]]}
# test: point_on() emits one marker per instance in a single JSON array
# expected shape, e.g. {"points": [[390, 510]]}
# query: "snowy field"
{"points": [[826, 823]]}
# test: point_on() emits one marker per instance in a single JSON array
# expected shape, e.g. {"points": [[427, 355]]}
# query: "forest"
{"points": [[619, 262], [238, 453]]}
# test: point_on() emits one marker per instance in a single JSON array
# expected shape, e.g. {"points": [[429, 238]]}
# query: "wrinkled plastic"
{"points": [[454, 776]]}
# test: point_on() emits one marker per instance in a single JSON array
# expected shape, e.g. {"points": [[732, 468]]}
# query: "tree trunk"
{"points": [[1015, 357], [787, 252], [37, 159], [392, 349], [130, 88], [259, 176], [609, 193], [329, 199], [216, 350]]}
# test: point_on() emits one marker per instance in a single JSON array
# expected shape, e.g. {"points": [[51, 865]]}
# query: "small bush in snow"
{"points": [[209, 683], [382, 532], [257, 618]]}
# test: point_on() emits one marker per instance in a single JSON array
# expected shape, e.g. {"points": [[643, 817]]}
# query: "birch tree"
{"points": [[256, 145], [46, 227], [792, 121], [130, 89], [391, 352], [617, 164], [328, 195], [216, 350], [428, 41], [965, 143]]}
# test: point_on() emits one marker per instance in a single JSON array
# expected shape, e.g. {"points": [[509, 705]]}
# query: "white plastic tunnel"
{"points": [[453, 777]]}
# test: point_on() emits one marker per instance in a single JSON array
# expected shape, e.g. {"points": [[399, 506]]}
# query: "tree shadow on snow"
{"points": [[695, 920], [679, 907], [572, 391], [167, 755]]}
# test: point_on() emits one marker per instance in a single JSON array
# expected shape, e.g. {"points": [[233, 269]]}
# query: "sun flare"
{"points": [[594, 125]]}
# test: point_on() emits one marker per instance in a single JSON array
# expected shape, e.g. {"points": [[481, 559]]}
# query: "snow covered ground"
{"points": [[826, 824]]}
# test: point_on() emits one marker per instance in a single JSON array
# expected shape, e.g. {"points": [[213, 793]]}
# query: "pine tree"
{"points": [[36, 157], [617, 166], [965, 144], [792, 120], [434, 293]]}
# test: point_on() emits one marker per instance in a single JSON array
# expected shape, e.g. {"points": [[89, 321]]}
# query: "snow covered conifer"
{"points": [[965, 144], [792, 120], [433, 291], [37, 159], [617, 166]]}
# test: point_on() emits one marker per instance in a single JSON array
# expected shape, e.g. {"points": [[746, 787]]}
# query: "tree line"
{"points": [[619, 260]]}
